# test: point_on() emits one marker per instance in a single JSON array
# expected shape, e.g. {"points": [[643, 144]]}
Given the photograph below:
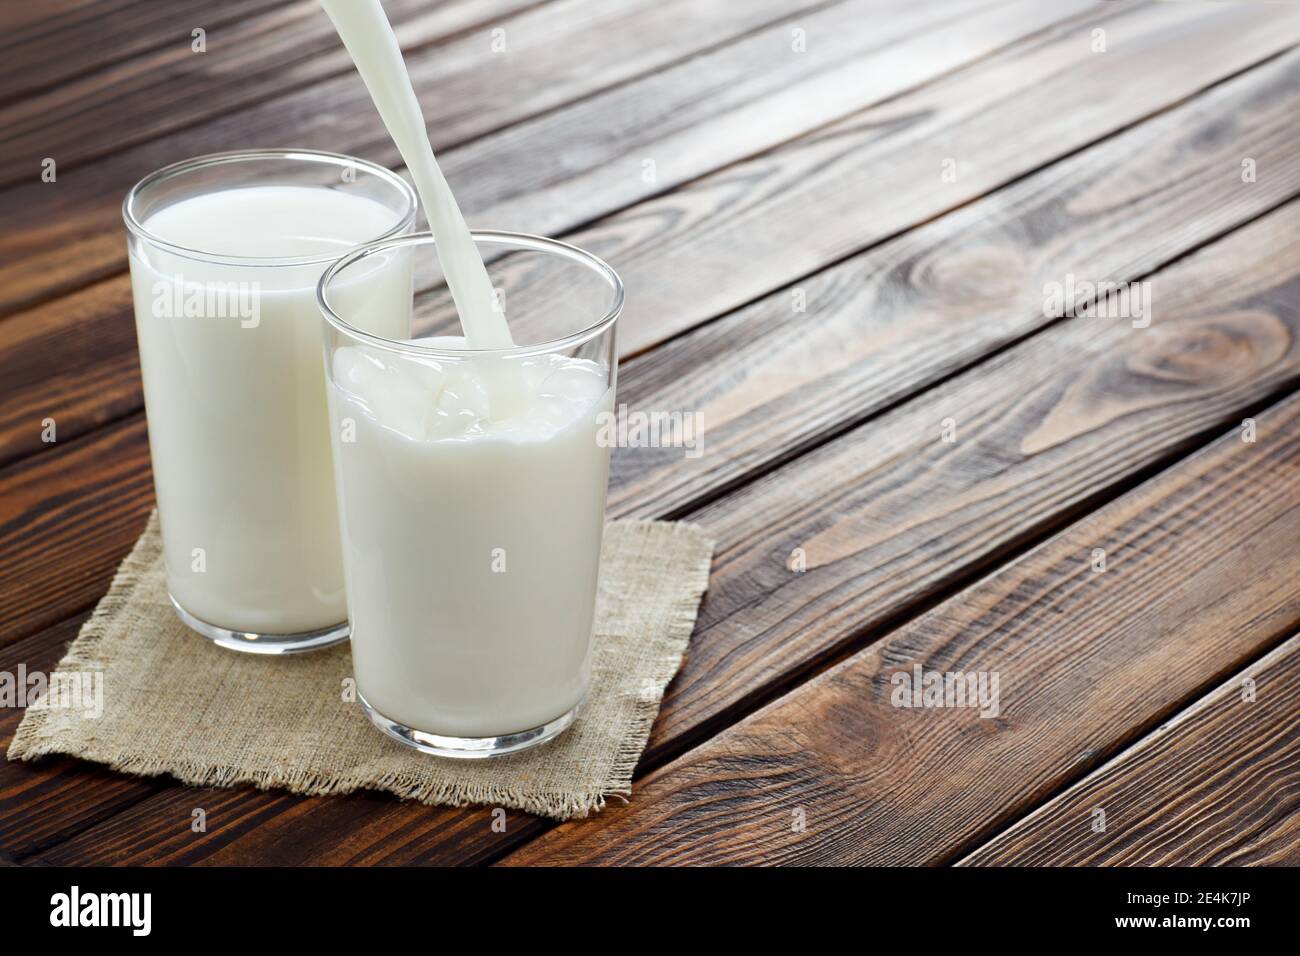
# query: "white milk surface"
{"points": [[471, 544], [238, 424]]}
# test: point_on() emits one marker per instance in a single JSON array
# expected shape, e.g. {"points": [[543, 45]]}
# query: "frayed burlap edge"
{"points": [[684, 612]]}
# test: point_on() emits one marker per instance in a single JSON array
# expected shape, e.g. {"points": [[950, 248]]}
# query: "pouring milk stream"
{"points": [[366, 33], [456, 459]]}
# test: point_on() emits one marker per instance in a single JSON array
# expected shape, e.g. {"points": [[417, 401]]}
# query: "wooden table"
{"points": [[843, 225]]}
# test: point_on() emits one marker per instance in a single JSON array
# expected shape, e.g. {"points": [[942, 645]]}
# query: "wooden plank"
{"points": [[66, 520], [255, 53], [767, 381], [1215, 786], [790, 212], [1184, 160], [888, 516], [47, 801], [1047, 194], [70, 38], [837, 773], [889, 512], [650, 136], [24, 23], [70, 234], [80, 252], [74, 359], [72, 362]]}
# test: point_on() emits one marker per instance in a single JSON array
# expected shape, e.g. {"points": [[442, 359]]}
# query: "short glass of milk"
{"points": [[472, 491], [225, 254]]}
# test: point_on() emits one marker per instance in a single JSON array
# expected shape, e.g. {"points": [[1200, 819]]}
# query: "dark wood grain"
{"points": [[255, 52], [728, 104], [23, 23], [879, 508], [887, 513], [886, 161], [70, 232], [887, 516], [1218, 785], [49, 800], [74, 360], [728, 238], [66, 519], [768, 380], [837, 773], [49, 42]]}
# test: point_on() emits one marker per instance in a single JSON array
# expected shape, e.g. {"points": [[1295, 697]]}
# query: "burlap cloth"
{"points": [[174, 703]]}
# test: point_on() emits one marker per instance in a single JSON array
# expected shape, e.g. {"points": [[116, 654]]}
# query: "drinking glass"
{"points": [[472, 492], [224, 285]]}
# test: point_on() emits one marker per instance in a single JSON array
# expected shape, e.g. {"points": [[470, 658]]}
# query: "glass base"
{"points": [[470, 748], [250, 643]]}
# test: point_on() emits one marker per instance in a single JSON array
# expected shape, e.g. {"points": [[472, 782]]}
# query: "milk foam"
{"points": [[425, 399]]}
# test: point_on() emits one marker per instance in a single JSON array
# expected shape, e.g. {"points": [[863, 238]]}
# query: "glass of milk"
{"points": [[225, 254], [472, 491]]}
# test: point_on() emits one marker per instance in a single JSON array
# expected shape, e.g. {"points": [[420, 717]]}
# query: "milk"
{"points": [[472, 486], [235, 396], [471, 544], [366, 33]]}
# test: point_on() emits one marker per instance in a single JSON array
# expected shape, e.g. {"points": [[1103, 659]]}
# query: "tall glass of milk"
{"points": [[225, 254], [472, 491]]}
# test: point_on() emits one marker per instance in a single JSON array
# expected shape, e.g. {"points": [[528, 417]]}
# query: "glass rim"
{"points": [[520, 240], [194, 163]]}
